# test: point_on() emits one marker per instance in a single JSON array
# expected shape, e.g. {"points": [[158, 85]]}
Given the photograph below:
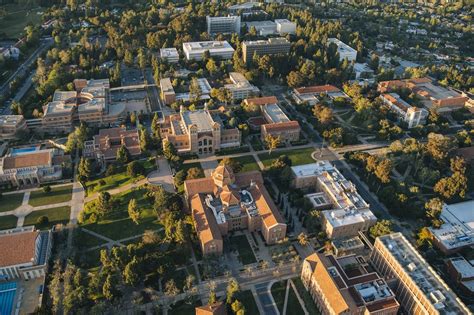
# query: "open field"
{"points": [[55, 216], [10, 202], [17, 18], [56, 195], [8, 222], [297, 157]]}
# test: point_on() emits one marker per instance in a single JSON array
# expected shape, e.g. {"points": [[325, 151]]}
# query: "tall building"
{"points": [[200, 131], [223, 24], [461, 271], [412, 115], [227, 202], [271, 46], [419, 289], [344, 212], [240, 87], [11, 125], [345, 51], [346, 285], [220, 49]]}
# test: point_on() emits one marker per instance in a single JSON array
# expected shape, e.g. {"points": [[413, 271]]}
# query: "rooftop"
{"points": [[168, 52], [270, 41], [201, 118], [341, 46], [463, 267], [275, 113], [212, 46], [312, 169], [17, 246], [10, 120]]}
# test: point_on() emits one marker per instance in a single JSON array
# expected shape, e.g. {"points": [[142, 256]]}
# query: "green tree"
{"points": [[232, 288], [212, 297], [134, 169], [323, 114], [433, 207], [131, 273], [123, 155], [234, 164], [180, 232], [194, 172], [238, 308], [303, 239], [109, 289], [104, 203], [211, 66], [145, 140], [295, 79], [84, 169], [133, 212], [271, 142], [382, 227]]}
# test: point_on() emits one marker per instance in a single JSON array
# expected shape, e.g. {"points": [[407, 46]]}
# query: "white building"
{"points": [[284, 26], [10, 52], [24, 253], [169, 54], [263, 28], [344, 50], [412, 115], [223, 24], [195, 50], [240, 87]]}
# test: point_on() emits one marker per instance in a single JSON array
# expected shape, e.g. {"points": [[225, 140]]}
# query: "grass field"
{"points": [[248, 163], [242, 245], [278, 292], [55, 216], [10, 202], [85, 240], [293, 306], [298, 157], [308, 300], [8, 222], [56, 195], [247, 299], [17, 18]]}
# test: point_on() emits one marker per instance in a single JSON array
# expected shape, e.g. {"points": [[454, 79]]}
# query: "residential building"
{"points": [[227, 202], [462, 272], [218, 308], [240, 87], [344, 212], [457, 230], [169, 54], [263, 28], [167, 91], [220, 49], [412, 115], [311, 94], [201, 131], [283, 26], [431, 95], [31, 165], [223, 24], [11, 125], [346, 285], [104, 146], [25, 253], [418, 288], [276, 123], [271, 46], [344, 50]]}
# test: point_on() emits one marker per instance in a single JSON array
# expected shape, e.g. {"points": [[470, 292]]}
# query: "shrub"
{"points": [[102, 182], [42, 220], [47, 189]]}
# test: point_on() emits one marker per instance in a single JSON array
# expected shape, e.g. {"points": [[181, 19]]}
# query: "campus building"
{"points": [[90, 103], [201, 131], [271, 46], [227, 202], [311, 94], [167, 91], [31, 165], [457, 230], [220, 49], [284, 26], [223, 24], [431, 95], [169, 54], [344, 212], [412, 115], [240, 87], [276, 123], [218, 308], [461, 271], [345, 51], [263, 28], [419, 289], [169, 96], [25, 253], [346, 285], [11, 125], [104, 146]]}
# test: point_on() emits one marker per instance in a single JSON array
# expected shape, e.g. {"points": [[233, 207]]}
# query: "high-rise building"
{"points": [[272, 46], [223, 24]]}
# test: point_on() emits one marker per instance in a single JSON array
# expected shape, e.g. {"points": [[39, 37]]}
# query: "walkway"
{"points": [[208, 166], [162, 176]]}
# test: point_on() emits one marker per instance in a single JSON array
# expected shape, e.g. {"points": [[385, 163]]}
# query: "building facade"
{"points": [[223, 24], [284, 26], [412, 115], [240, 88], [272, 46], [461, 271], [220, 49], [11, 125]]}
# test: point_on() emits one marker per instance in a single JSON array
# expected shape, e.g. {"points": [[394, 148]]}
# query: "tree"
{"points": [[151, 237], [194, 172], [383, 170], [194, 90], [42, 220], [232, 289], [133, 212], [84, 170], [238, 308], [123, 155], [47, 189], [211, 66], [135, 168], [303, 239], [235, 165], [104, 203], [189, 282], [145, 140], [271, 142], [212, 297], [180, 232], [424, 237], [433, 207], [131, 273], [171, 289], [439, 147], [382, 227], [323, 114], [109, 289], [295, 79]]}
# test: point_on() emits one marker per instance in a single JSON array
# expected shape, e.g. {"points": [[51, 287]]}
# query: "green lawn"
{"points": [[278, 292], [8, 222], [242, 245], [247, 299], [10, 202], [56, 195], [85, 240], [308, 300], [17, 18], [293, 306], [90, 259], [248, 163], [118, 225], [298, 157], [55, 216]]}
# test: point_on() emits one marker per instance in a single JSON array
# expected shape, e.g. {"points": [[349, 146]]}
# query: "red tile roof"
{"points": [[17, 248], [317, 89], [262, 100]]}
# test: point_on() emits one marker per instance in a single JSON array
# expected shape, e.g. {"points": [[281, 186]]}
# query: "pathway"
{"points": [[209, 165], [162, 176]]}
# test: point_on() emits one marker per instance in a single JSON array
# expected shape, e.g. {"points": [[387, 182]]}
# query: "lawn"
{"points": [[56, 195], [242, 245], [293, 305], [8, 222], [55, 216], [298, 157], [118, 225], [17, 18], [10, 202], [84, 240], [248, 163], [247, 299], [90, 259], [308, 300], [278, 292]]}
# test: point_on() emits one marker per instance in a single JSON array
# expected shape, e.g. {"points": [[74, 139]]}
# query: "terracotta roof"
{"points": [[223, 171], [27, 160], [317, 89], [262, 100], [110, 140], [217, 308], [420, 80], [198, 185], [266, 207], [282, 126], [205, 223], [18, 248], [229, 196]]}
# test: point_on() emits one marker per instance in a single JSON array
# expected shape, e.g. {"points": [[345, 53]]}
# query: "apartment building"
{"points": [[346, 285], [412, 115], [311, 94], [223, 24], [201, 131], [220, 49], [240, 88], [432, 95], [25, 253], [11, 125], [344, 212], [227, 202], [271, 46], [345, 51], [169, 54], [418, 288], [457, 230]]}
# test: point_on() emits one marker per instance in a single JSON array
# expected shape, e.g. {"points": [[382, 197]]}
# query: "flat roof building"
{"points": [[11, 125], [263, 28], [240, 88], [419, 289], [462, 272], [345, 51], [284, 26], [167, 91], [412, 115], [243, 7], [311, 94], [223, 24], [272, 46], [457, 230], [169, 54], [220, 49]]}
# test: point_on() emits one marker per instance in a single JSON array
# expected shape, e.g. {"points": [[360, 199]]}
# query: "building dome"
{"points": [[223, 175]]}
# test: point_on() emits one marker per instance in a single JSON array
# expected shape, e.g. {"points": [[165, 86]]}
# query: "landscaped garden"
{"points": [[248, 163], [297, 157], [241, 244], [56, 195], [55, 216], [10, 202], [304, 294], [278, 293]]}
